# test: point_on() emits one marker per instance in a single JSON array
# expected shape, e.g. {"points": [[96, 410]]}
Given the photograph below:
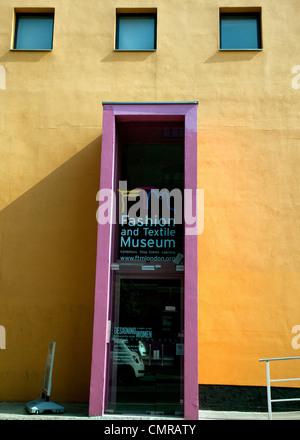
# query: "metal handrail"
{"points": [[269, 380]]}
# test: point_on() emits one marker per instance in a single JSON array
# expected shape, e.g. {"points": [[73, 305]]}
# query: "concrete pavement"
{"points": [[78, 411]]}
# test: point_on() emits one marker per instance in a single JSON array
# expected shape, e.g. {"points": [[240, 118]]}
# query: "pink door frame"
{"points": [[112, 112]]}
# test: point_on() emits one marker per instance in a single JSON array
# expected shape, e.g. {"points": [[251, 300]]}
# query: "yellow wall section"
{"points": [[248, 136]]}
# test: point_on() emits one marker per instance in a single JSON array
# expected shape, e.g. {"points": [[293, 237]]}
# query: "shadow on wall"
{"points": [[225, 56], [26, 56], [48, 257]]}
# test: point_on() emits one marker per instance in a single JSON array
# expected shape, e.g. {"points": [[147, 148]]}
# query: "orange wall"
{"points": [[248, 254], [248, 146]]}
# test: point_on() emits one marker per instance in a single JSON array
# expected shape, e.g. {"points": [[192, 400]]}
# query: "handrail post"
{"points": [[277, 380], [269, 391]]}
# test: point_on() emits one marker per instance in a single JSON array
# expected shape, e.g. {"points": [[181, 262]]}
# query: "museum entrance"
{"points": [[146, 348], [146, 284]]}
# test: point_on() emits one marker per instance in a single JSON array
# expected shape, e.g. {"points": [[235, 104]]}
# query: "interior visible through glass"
{"points": [[146, 350]]}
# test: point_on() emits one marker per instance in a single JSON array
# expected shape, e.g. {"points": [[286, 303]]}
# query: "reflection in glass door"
{"points": [[146, 347]]}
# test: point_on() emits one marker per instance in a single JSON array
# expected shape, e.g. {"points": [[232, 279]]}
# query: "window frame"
{"points": [[134, 14], [34, 13], [242, 12]]}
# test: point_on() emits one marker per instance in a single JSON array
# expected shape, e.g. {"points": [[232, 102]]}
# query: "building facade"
{"points": [[105, 103]]}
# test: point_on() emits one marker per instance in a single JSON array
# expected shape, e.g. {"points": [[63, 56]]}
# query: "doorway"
{"points": [[146, 349], [145, 266], [145, 353]]}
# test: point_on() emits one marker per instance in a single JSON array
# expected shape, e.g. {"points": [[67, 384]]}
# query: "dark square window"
{"points": [[34, 31], [240, 31], [136, 32]]}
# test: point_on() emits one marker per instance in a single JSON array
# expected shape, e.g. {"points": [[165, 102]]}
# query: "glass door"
{"points": [[145, 353], [146, 347]]}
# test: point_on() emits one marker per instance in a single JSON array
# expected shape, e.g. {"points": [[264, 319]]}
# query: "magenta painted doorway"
{"points": [[145, 334]]}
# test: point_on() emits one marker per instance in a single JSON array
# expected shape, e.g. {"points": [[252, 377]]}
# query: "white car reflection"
{"points": [[142, 349], [130, 364]]}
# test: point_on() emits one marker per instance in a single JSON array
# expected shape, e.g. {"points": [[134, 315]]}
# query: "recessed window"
{"points": [[240, 31], [136, 32], [34, 31]]}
